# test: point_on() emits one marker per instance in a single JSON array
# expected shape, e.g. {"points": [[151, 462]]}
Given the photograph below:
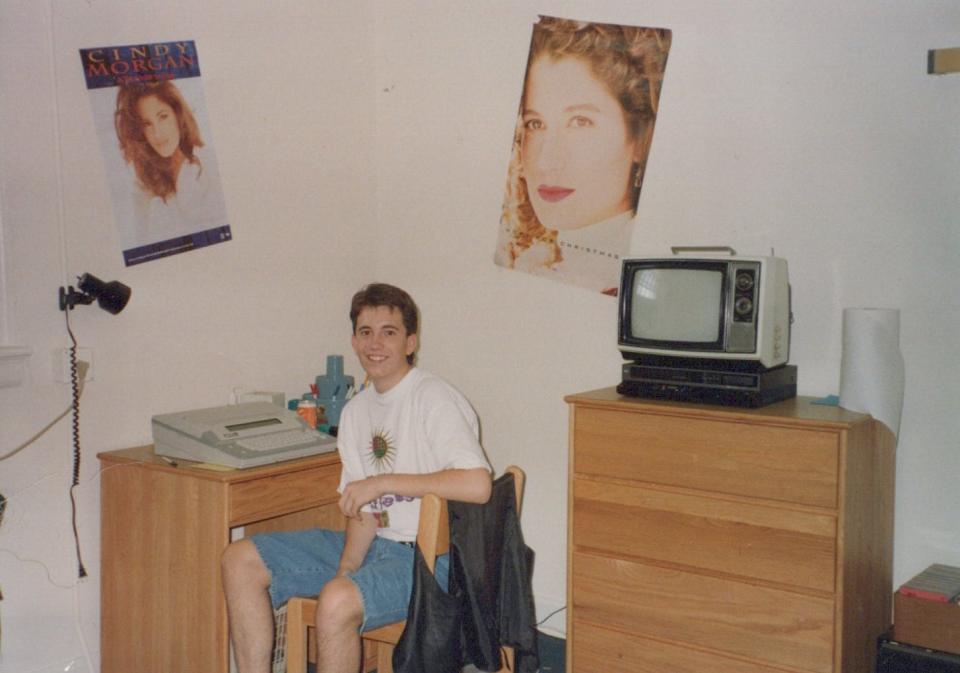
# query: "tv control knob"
{"points": [[744, 282], [743, 306]]}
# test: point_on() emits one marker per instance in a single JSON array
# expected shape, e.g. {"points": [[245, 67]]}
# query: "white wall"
{"points": [[369, 141], [287, 89]]}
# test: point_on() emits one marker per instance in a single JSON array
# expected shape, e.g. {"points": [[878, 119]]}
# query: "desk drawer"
{"points": [[771, 626], [788, 464], [753, 541], [282, 494]]}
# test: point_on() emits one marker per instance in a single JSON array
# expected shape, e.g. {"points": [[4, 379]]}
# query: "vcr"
{"points": [[728, 383]]}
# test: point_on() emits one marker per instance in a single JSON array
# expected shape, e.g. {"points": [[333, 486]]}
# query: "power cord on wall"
{"points": [[78, 373], [76, 381], [72, 586], [81, 368], [555, 612]]}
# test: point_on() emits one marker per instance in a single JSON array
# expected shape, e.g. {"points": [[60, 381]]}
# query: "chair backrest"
{"points": [[519, 479], [433, 529]]}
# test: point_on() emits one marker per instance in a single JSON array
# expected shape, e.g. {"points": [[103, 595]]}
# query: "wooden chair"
{"points": [[433, 539]]}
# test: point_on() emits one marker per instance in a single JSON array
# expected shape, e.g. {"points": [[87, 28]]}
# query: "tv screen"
{"points": [[677, 304]]}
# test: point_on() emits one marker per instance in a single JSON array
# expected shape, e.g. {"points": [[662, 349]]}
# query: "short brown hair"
{"points": [[382, 294]]}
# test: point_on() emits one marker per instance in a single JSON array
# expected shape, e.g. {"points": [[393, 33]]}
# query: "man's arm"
{"points": [[465, 485], [359, 535]]}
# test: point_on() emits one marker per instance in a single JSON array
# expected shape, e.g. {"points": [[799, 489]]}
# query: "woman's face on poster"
{"points": [[577, 154], [161, 127]]}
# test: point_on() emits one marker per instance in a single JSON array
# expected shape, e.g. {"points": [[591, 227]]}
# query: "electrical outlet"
{"points": [[61, 364]]}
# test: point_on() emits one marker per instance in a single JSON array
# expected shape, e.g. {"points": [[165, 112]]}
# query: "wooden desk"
{"points": [[162, 530]]}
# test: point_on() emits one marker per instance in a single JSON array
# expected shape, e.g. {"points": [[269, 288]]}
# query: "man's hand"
{"points": [[358, 493], [472, 485]]}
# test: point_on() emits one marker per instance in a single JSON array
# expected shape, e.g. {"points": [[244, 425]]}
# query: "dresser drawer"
{"points": [[745, 539], [599, 650], [767, 461], [770, 626]]}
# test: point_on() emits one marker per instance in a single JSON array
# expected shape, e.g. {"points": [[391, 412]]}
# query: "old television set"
{"points": [[706, 326]]}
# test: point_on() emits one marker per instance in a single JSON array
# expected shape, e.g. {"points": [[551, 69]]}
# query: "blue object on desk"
{"points": [[333, 388], [828, 401], [333, 383]]}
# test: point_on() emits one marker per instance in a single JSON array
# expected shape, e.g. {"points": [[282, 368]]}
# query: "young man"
{"points": [[406, 434]]}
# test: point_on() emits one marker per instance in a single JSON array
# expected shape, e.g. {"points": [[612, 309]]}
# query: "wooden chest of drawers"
{"points": [[719, 540]]}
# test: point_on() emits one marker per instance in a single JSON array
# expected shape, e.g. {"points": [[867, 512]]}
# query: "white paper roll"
{"points": [[871, 367]]}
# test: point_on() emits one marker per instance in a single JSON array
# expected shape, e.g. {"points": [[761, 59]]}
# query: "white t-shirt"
{"points": [[421, 425]]}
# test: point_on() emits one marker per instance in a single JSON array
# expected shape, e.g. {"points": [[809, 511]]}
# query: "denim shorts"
{"points": [[302, 562]]}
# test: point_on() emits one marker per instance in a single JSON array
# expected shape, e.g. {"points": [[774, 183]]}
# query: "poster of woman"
{"points": [[580, 149], [150, 118]]}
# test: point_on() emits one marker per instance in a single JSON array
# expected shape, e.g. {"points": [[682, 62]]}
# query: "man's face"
{"points": [[382, 345]]}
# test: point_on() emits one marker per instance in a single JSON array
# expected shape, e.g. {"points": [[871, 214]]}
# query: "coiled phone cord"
{"points": [[75, 422]]}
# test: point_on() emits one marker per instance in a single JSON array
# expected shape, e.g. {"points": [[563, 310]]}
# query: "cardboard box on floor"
{"points": [[926, 623]]}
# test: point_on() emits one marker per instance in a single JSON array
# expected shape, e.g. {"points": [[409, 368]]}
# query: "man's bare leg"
{"points": [[245, 584], [339, 616]]}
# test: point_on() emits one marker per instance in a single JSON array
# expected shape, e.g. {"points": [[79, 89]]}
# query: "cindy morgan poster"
{"points": [[580, 149], [150, 117]]}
